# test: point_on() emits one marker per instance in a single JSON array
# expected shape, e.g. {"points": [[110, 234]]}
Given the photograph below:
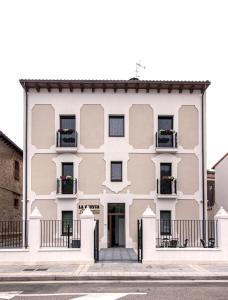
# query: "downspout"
{"points": [[26, 168], [203, 162]]}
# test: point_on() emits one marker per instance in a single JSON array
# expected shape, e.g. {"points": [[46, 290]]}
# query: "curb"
{"points": [[110, 278]]}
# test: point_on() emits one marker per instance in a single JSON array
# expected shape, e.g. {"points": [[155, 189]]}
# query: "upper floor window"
{"points": [[116, 126], [67, 178], [66, 136], [16, 170], [165, 131], [166, 178], [116, 171]]}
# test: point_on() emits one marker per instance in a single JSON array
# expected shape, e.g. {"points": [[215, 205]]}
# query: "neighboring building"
{"points": [[210, 193], [117, 146], [221, 186], [11, 179]]}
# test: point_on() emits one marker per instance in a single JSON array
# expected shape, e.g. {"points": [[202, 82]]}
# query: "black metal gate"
{"points": [[140, 240], [96, 241]]}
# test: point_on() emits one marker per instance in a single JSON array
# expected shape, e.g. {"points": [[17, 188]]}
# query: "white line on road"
{"points": [[9, 295]]}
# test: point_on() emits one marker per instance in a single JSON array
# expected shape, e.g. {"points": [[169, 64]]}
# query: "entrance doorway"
{"points": [[116, 225]]}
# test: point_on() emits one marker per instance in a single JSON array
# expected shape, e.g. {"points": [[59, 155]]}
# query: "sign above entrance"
{"points": [[93, 207]]}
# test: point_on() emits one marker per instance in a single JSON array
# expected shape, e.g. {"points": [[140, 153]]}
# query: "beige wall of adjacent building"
{"points": [[47, 208]]}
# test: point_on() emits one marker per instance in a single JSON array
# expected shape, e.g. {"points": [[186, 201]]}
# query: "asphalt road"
{"points": [[113, 290]]}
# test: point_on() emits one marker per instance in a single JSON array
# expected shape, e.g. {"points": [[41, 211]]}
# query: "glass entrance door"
{"points": [[116, 225]]}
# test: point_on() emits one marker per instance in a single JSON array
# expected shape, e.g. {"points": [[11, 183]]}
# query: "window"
{"points": [[165, 178], [116, 171], [165, 222], [67, 222], [67, 178], [16, 203], [116, 126], [67, 131], [16, 170], [165, 131]]}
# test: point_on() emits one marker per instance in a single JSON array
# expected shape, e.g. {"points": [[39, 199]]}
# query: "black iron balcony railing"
{"points": [[166, 139], [167, 186], [66, 138], [67, 186], [61, 233], [187, 233]]}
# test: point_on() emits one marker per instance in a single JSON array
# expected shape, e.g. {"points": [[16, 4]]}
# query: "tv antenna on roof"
{"points": [[138, 67]]}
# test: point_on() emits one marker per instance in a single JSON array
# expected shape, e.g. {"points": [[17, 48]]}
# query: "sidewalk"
{"points": [[114, 271]]}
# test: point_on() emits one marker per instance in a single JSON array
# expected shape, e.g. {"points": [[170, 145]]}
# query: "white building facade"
{"points": [[117, 147]]}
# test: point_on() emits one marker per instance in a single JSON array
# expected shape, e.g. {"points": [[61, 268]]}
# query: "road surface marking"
{"points": [[84, 296], [9, 295], [102, 296]]}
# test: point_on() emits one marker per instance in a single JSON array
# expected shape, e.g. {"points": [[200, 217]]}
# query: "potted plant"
{"points": [[166, 131]]}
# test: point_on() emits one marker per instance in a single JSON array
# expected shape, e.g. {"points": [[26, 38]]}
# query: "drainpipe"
{"points": [[203, 162], [26, 169]]}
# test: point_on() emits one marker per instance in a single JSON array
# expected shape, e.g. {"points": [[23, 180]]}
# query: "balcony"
{"points": [[66, 188], [66, 140], [167, 188], [166, 141]]}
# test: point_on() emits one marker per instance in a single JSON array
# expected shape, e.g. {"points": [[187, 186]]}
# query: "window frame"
{"points": [[167, 232], [116, 117], [121, 175], [16, 170]]}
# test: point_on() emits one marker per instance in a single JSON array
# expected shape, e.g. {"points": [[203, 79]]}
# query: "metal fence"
{"points": [[187, 233], [11, 234], [59, 233]]}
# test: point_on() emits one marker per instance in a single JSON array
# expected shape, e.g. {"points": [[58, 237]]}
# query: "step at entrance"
{"points": [[117, 255]]}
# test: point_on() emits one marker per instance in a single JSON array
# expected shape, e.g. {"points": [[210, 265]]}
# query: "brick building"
{"points": [[11, 179]]}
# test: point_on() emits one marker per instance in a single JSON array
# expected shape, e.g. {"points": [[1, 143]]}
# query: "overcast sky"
{"points": [[175, 40]]}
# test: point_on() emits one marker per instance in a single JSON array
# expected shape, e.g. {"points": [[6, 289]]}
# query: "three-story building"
{"points": [[118, 146]]}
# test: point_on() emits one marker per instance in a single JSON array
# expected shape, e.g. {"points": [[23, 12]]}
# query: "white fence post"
{"points": [[87, 234], [149, 234], [222, 217], [34, 230]]}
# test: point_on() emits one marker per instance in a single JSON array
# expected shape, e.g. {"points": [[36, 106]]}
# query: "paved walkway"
{"points": [[117, 254], [114, 271]]}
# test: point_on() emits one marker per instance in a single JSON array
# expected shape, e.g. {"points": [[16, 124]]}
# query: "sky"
{"points": [[96, 39]]}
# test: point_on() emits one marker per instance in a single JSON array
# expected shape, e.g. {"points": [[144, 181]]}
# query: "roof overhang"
{"points": [[10, 143], [132, 84]]}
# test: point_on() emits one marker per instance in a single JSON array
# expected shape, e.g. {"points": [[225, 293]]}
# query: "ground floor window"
{"points": [[165, 222], [67, 222]]}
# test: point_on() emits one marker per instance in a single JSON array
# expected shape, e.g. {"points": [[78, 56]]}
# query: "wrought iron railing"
{"points": [[187, 233], [67, 186], [166, 187], [166, 139], [61, 233], [11, 234], [67, 138]]}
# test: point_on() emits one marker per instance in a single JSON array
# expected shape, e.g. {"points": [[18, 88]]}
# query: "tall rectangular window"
{"points": [[67, 178], [165, 131], [165, 222], [67, 131], [116, 171], [116, 126], [67, 222], [165, 178], [16, 170]]}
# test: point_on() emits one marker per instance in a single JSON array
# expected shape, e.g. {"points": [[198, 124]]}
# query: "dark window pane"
{"points": [[67, 131], [67, 178], [165, 123], [165, 181], [116, 171], [116, 208], [116, 126], [165, 222], [67, 222], [16, 170]]}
